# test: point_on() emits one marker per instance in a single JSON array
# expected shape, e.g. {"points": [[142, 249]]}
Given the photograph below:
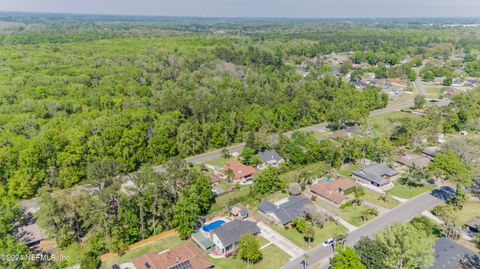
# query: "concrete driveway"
{"points": [[280, 241]]}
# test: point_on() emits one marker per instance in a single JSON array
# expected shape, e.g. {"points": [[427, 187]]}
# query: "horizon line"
{"points": [[227, 17]]}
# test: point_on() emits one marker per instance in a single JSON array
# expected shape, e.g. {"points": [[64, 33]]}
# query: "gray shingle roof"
{"points": [[448, 255], [375, 173], [269, 155], [230, 232], [287, 211]]}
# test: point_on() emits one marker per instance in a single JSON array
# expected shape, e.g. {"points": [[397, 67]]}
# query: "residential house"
{"points": [[269, 158], [377, 174], [333, 190], [411, 159], [395, 80], [31, 234], [285, 212], [187, 256], [240, 171], [226, 237], [450, 255]]}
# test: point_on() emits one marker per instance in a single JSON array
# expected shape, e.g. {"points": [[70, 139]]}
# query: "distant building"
{"points": [[187, 256], [377, 174], [269, 158], [450, 255], [285, 212]]}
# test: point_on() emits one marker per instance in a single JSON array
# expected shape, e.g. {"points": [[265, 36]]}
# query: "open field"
{"points": [[385, 123]]}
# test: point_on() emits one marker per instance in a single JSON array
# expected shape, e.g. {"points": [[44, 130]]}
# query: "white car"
{"points": [[328, 243]]}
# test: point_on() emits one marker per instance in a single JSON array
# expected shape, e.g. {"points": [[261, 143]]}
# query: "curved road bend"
{"points": [[402, 213]]}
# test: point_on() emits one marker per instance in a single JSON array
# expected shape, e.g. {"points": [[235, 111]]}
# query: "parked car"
{"points": [[328, 243]]}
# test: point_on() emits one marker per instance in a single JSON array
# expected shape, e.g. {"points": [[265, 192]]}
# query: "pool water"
{"points": [[328, 179], [213, 225]]}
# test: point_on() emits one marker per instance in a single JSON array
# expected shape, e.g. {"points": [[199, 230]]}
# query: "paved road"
{"points": [[420, 87], [401, 213]]}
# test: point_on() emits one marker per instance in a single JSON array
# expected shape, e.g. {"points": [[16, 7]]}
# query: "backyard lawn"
{"points": [[407, 192], [321, 234], [385, 123], [225, 200], [158, 246], [315, 170], [347, 170], [273, 257], [470, 211], [351, 214], [218, 161], [373, 198]]}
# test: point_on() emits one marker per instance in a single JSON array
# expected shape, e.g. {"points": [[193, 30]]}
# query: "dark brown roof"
{"points": [[187, 255]]}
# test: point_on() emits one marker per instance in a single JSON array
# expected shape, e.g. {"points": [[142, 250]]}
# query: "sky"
{"points": [[255, 8]]}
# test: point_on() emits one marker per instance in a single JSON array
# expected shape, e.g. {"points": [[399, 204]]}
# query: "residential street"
{"points": [[401, 213], [420, 87]]}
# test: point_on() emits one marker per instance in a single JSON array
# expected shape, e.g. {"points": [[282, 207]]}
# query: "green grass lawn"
{"points": [[351, 214], [262, 241], [470, 211], [273, 257], [158, 246], [372, 197], [347, 170], [314, 169], [321, 234], [218, 161], [236, 195], [407, 192], [320, 135], [277, 196], [432, 91], [385, 123]]}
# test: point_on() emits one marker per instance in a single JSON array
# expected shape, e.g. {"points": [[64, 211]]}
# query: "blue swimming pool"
{"points": [[213, 225], [327, 179]]}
